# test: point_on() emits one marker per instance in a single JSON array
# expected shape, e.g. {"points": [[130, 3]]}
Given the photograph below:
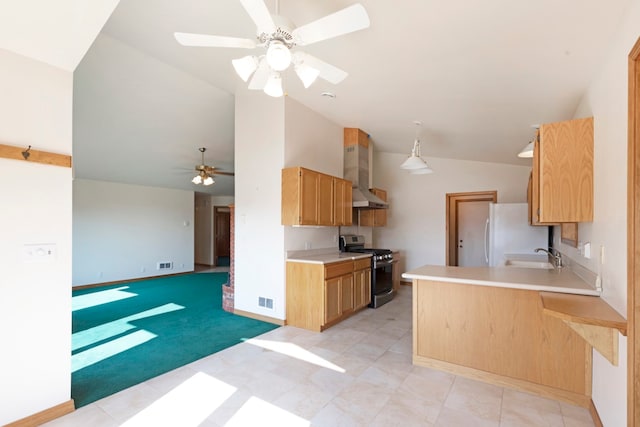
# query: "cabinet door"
{"points": [[325, 199], [566, 171], [358, 290], [374, 217], [332, 297], [380, 215], [342, 201], [308, 197], [346, 303]]}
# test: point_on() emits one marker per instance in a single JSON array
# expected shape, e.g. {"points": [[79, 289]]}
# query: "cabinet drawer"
{"points": [[338, 269], [361, 264]]}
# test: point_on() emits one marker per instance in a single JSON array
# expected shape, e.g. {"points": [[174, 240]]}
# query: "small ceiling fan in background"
{"points": [[279, 36], [206, 173]]}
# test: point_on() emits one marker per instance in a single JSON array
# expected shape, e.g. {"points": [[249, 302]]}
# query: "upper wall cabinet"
{"points": [[374, 217], [561, 185], [314, 198]]}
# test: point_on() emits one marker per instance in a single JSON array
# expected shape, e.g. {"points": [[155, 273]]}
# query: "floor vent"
{"points": [[265, 302], [165, 265]]}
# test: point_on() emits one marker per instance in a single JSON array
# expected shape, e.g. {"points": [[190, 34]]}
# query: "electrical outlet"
{"points": [[586, 250]]}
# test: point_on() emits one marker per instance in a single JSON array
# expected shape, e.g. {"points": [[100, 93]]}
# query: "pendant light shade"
{"points": [[527, 151], [415, 164]]}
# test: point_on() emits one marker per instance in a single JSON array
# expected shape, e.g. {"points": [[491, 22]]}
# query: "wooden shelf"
{"points": [[591, 317]]}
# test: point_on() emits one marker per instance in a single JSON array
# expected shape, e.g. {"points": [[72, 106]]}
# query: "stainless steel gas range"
{"points": [[381, 268]]}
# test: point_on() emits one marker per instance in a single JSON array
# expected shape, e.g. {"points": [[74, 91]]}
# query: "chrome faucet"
{"points": [[554, 254]]}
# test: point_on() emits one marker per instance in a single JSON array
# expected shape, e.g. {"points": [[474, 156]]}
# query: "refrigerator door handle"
{"points": [[486, 241]]}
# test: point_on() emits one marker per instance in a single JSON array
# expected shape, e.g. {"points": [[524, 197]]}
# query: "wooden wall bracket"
{"points": [[591, 317], [37, 156]]}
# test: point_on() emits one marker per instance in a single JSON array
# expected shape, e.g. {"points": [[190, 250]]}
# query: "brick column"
{"points": [[228, 289]]}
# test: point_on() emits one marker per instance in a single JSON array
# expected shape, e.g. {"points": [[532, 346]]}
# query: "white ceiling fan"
{"points": [[279, 36]]}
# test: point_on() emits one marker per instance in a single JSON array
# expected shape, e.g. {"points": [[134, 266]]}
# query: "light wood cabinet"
{"points": [[374, 217], [321, 295], [314, 198], [501, 336], [361, 284], [561, 187]]}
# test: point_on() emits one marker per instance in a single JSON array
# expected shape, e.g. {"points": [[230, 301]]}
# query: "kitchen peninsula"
{"points": [[488, 323]]}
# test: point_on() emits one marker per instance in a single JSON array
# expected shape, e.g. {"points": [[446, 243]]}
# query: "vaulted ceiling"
{"points": [[477, 74]]}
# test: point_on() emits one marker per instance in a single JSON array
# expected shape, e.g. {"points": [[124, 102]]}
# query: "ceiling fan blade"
{"points": [[259, 13], [347, 20], [260, 77], [224, 173], [327, 71], [205, 40]]}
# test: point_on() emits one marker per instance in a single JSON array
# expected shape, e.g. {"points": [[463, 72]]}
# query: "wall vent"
{"points": [[265, 302], [165, 265]]}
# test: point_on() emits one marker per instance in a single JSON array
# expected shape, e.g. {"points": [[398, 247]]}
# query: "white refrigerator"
{"points": [[507, 231]]}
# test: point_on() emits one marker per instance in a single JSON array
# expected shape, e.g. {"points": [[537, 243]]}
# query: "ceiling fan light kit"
{"points": [[279, 36], [205, 172], [415, 164]]}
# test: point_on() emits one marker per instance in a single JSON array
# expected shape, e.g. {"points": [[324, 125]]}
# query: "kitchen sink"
{"points": [[544, 265]]}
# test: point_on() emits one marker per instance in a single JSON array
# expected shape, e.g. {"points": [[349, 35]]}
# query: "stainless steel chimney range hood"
{"points": [[356, 169]]}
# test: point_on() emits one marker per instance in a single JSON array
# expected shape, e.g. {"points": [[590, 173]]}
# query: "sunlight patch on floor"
{"points": [[257, 412], [295, 351], [108, 349], [186, 405], [105, 331], [80, 302]]}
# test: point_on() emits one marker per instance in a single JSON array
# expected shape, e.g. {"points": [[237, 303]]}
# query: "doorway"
{"points": [[222, 235], [470, 205]]}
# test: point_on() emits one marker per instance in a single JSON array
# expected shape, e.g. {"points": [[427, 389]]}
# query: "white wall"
{"points": [[259, 237], [272, 134], [122, 231], [416, 219], [314, 142], [607, 101], [35, 308]]}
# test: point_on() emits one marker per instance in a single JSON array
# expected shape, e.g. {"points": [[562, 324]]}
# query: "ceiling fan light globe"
{"points": [[274, 86], [307, 74], [278, 56], [197, 179], [208, 181], [245, 66]]}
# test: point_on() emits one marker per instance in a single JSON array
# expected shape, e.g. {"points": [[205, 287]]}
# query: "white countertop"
{"points": [[327, 258], [555, 280]]}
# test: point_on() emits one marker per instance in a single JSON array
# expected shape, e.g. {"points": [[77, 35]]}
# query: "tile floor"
{"points": [[357, 373]]}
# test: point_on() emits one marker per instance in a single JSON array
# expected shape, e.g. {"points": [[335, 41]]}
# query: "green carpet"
{"points": [[128, 333]]}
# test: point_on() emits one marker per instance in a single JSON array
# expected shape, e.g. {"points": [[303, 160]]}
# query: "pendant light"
{"points": [[415, 164], [527, 151]]}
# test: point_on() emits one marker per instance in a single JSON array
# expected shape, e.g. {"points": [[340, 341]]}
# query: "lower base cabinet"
{"points": [[321, 295]]}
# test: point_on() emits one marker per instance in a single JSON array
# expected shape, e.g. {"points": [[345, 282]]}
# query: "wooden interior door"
{"points": [[222, 226]]}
